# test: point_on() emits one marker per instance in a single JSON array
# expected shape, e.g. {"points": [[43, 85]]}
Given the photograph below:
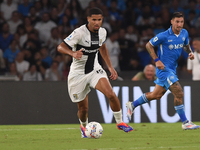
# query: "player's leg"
{"points": [[157, 93], [83, 111], [83, 115], [104, 86], [177, 91], [78, 90]]}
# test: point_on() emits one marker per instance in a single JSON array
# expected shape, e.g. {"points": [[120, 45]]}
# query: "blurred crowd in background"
{"points": [[31, 30]]}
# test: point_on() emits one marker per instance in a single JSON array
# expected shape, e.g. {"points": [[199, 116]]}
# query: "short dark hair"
{"points": [[95, 11], [177, 15]]}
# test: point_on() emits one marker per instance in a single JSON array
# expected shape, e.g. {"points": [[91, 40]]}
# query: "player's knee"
{"points": [[111, 95], [179, 94], [153, 96], [158, 96]]}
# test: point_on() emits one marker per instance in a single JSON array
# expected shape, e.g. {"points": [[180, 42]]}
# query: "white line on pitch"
{"points": [[39, 129], [176, 147]]}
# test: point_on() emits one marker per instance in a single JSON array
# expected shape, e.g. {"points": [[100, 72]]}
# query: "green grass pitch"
{"points": [[150, 136]]}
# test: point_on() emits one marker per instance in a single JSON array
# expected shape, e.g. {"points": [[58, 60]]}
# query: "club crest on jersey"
{"points": [[183, 38], [75, 96]]}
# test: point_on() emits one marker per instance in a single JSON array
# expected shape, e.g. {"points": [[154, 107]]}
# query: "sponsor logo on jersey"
{"points": [[175, 46], [155, 39], [169, 40], [171, 46], [95, 42], [90, 51]]}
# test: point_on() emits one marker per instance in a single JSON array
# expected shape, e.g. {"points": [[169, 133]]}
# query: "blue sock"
{"points": [[141, 100], [180, 110]]}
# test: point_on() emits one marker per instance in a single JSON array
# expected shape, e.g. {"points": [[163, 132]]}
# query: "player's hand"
{"points": [[78, 54], [160, 65], [191, 56], [114, 74]]}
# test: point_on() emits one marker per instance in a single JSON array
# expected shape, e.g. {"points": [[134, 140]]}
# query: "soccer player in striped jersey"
{"points": [[84, 44]]}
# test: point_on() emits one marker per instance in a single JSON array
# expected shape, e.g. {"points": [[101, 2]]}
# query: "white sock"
{"points": [[84, 123], [118, 116]]}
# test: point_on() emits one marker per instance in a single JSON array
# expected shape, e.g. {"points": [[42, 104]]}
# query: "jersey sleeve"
{"points": [[102, 36], [72, 39], [156, 40], [186, 42], [105, 34]]}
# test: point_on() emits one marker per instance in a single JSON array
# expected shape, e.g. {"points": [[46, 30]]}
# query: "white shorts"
{"points": [[79, 84]]}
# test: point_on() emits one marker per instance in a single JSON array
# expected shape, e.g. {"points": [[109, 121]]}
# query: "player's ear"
{"points": [[171, 21], [88, 18]]}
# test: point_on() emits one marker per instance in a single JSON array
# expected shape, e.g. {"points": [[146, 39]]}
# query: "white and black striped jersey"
{"points": [[82, 37]]}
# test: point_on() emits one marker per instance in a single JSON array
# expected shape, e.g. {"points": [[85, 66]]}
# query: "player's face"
{"points": [[177, 24], [95, 22]]}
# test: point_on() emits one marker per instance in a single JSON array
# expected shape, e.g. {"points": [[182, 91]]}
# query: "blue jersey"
{"points": [[170, 48]]}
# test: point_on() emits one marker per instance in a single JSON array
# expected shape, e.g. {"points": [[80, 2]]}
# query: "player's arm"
{"points": [[152, 53], [105, 55], [64, 49], [188, 50]]}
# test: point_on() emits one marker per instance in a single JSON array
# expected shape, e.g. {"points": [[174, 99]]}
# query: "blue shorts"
{"points": [[166, 81]]}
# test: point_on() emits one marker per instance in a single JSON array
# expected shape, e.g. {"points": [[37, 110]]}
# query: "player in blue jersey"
{"points": [[170, 44]]}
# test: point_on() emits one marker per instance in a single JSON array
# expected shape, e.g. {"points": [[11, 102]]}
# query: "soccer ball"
{"points": [[93, 130]]}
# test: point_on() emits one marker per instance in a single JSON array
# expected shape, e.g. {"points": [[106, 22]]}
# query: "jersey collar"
{"points": [[170, 30], [90, 31]]}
